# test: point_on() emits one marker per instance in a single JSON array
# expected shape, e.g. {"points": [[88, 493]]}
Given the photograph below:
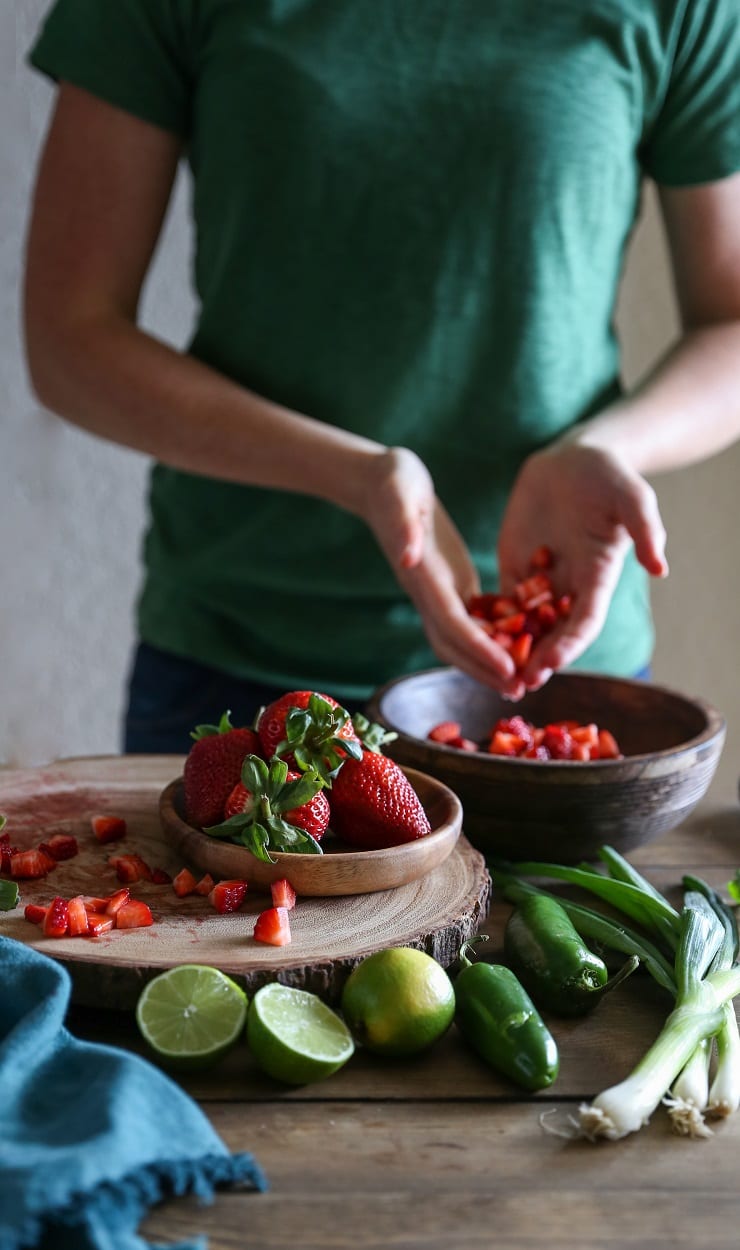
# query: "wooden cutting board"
{"points": [[436, 913]]}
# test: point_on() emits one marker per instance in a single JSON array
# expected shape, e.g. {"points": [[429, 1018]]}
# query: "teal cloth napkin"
{"points": [[90, 1136]]}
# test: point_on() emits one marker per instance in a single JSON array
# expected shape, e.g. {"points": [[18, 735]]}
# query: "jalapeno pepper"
{"points": [[499, 1020], [549, 956]]}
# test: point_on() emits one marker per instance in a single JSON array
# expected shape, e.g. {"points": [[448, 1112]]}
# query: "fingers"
{"points": [[644, 524]]}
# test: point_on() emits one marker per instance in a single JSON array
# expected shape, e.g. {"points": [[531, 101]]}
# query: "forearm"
{"points": [[687, 410], [116, 381]]}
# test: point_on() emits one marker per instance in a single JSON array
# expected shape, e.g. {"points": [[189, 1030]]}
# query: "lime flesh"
{"points": [[294, 1036], [191, 1015]]}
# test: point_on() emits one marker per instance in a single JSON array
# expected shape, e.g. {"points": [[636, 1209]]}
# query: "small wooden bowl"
{"points": [[559, 810], [340, 870]]}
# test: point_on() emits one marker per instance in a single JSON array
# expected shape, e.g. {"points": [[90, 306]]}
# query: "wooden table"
{"points": [[438, 1153]]}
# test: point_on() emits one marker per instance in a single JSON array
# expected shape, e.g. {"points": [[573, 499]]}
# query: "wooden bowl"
{"points": [[340, 870], [559, 810]]}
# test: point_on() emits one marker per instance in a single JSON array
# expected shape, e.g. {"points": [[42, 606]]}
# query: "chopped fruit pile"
{"points": [[518, 738], [304, 767], [519, 620], [83, 916]]}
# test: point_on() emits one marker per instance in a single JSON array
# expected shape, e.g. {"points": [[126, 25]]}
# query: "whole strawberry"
{"points": [[271, 808], [373, 804], [310, 731], [213, 767]]}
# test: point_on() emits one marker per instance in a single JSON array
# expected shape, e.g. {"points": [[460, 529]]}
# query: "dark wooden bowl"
{"points": [[559, 810]]}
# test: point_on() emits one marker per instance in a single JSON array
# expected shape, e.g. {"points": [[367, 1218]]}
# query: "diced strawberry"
{"points": [[546, 616], [516, 725], [542, 558], [134, 915], [538, 735], [33, 913], [117, 901], [503, 606], [581, 751], [563, 605], [108, 828], [100, 924], [587, 734], [500, 638], [6, 850], [505, 744], [56, 920], [29, 865], [608, 748], [558, 741], [283, 894], [93, 904], [130, 868], [273, 927], [513, 624], [464, 744], [537, 753], [521, 649], [534, 590], [61, 846], [445, 731], [160, 877], [228, 896], [205, 885], [483, 606], [184, 883], [77, 917]]}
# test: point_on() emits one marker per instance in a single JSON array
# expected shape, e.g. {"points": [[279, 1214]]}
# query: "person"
{"points": [[410, 226]]}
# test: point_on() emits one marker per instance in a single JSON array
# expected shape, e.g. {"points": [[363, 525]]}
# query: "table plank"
{"points": [[427, 1177]]}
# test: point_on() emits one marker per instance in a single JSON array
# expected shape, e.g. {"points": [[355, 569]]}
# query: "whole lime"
{"points": [[398, 1001]]}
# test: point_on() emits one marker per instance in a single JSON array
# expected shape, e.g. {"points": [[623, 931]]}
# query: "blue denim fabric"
{"points": [[168, 696]]}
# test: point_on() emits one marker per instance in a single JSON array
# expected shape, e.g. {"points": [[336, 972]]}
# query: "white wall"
{"points": [[71, 507]]}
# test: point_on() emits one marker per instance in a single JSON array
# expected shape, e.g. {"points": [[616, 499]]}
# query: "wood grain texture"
{"points": [[438, 1153], [431, 1177], [340, 870], [436, 913], [525, 809]]}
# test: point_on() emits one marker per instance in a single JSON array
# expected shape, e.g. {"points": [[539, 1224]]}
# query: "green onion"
{"points": [[698, 1015], [649, 909], [689, 1094], [723, 1096]]}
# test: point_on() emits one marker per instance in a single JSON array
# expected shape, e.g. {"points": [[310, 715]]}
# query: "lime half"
{"points": [[191, 1015], [294, 1036]]}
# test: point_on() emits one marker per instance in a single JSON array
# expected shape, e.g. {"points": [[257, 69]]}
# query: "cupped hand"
{"points": [[431, 563], [587, 505]]}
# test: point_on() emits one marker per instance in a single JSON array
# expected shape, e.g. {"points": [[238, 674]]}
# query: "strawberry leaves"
{"points": [[313, 738], [8, 895], [261, 827], [224, 726]]}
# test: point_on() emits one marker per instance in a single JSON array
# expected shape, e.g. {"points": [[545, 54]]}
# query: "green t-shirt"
{"points": [[410, 222]]}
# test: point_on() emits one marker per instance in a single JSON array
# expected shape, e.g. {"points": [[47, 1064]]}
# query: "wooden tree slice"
{"points": [[435, 913]]}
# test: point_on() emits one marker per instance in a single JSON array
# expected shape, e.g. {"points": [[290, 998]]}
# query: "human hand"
{"points": [[587, 505], [431, 562]]}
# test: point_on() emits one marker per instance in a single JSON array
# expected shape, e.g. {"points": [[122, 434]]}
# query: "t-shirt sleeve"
{"points": [[695, 136], [134, 54]]}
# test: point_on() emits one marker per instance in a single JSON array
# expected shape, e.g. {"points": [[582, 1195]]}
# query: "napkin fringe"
{"points": [[131, 1197]]}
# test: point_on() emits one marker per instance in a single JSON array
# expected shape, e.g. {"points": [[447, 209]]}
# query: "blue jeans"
{"points": [[168, 696]]}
